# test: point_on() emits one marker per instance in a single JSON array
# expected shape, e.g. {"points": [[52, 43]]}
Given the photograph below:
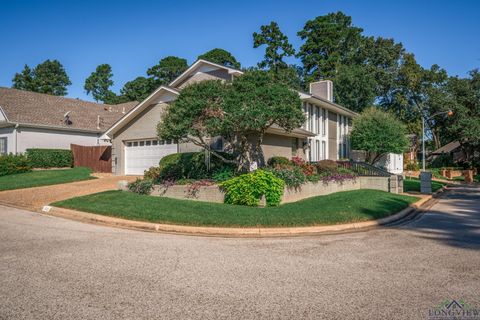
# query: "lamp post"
{"points": [[449, 112], [426, 177]]}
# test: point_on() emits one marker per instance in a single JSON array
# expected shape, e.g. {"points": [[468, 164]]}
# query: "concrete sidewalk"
{"points": [[35, 198]]}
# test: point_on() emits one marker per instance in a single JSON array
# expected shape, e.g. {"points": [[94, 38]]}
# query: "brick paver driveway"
{"points": [[35, 198]]}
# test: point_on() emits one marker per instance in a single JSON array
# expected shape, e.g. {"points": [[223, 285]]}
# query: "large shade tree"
{"points": [[362, 68], [47, 77], [221, 56], [277, 46], [167, 70], [240, 112], [99, 82], [464, 125], [377, 133]]}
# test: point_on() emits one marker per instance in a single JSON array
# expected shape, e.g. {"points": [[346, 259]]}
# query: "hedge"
{"points": [[190, 165], [49, 158], [11, 164]]}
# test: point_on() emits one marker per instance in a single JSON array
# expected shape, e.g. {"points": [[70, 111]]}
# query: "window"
{"points": [[310, 117], [304, 108], [344, 150], [310, 150], [294, 146], [324, 150], [148, 143], [317, 150], [317, 120], [141, 143], [3, 146], [340, 151], [169, 141], [129, 144], [324, 121], [154, 142], [135, 143]]}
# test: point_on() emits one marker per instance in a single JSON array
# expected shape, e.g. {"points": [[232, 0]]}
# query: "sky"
{"points": [[132, 36]]}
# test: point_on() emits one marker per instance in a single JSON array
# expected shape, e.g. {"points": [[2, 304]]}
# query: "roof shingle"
{"points": [[33, 108]]}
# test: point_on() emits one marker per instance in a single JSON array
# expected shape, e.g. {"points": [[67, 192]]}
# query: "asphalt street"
{"points": [[52, 268]]}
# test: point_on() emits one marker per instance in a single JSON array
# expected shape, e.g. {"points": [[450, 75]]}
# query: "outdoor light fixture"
{"points": [[426, 177]]}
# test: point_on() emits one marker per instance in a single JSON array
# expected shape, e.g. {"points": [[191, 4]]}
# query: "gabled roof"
{"points": [[43, 110], [140, 107], [173, 89], [449, 147], [196, 65], [170, 89]]}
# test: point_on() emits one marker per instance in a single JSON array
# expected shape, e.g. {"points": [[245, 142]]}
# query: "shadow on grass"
{"points": [[455, 221]]}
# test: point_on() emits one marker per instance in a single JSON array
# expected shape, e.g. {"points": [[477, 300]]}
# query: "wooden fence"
{"points": [[98, 158]]}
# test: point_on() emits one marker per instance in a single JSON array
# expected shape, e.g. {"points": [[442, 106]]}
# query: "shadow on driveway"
{"points": [[454, 220]]}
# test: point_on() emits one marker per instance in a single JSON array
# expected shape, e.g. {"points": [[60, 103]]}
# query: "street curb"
{"points": [[237, 232]]}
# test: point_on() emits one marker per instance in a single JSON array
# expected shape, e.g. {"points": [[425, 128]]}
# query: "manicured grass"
{"points": [[462, 178], [43, 178], [341, 207], [413, 184]]}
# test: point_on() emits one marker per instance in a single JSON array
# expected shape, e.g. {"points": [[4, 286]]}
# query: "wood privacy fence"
{"points": [[98, 158]]}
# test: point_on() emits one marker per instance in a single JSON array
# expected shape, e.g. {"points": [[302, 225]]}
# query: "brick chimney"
{"points": [[322, 89]]}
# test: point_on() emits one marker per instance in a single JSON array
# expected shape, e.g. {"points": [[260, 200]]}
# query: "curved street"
{"points": [[53, 268]]}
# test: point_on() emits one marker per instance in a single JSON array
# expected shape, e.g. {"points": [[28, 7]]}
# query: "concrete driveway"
{"points": [[35, 198], [59, 269]]}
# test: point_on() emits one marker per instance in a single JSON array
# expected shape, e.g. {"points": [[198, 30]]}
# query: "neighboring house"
{"points": [[135, 145], [36, 120], [453, 149]]}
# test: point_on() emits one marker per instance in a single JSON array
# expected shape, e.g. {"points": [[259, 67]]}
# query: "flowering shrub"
{"points": [[247, 189], [326, 166], [298, 161], [141, 186], [292, 176], [308, 169]]}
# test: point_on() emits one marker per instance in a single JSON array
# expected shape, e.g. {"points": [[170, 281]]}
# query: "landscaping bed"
{"points": [[337, 208], [43, 178]]}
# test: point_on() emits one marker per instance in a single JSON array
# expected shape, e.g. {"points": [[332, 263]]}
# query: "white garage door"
{"points": [[143, 154]]}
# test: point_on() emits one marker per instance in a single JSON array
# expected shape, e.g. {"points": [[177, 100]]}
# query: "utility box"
{"points": [[425, 182]]}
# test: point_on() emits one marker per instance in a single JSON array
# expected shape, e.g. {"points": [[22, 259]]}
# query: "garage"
{"points": [[143, 154]]}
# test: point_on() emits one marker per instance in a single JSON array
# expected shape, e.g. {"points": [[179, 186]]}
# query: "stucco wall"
{"points": [[23, 138], [276, 145], [143, 126], [52, 139]]}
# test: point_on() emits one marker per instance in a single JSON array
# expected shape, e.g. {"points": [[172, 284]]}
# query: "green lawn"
{"points": [[413, 184], [43, 178], [341, 207], [462, 178]]}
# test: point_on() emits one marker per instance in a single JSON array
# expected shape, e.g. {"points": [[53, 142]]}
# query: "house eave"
{"points": [[326, 104], [6, 124], [295, 133]]}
